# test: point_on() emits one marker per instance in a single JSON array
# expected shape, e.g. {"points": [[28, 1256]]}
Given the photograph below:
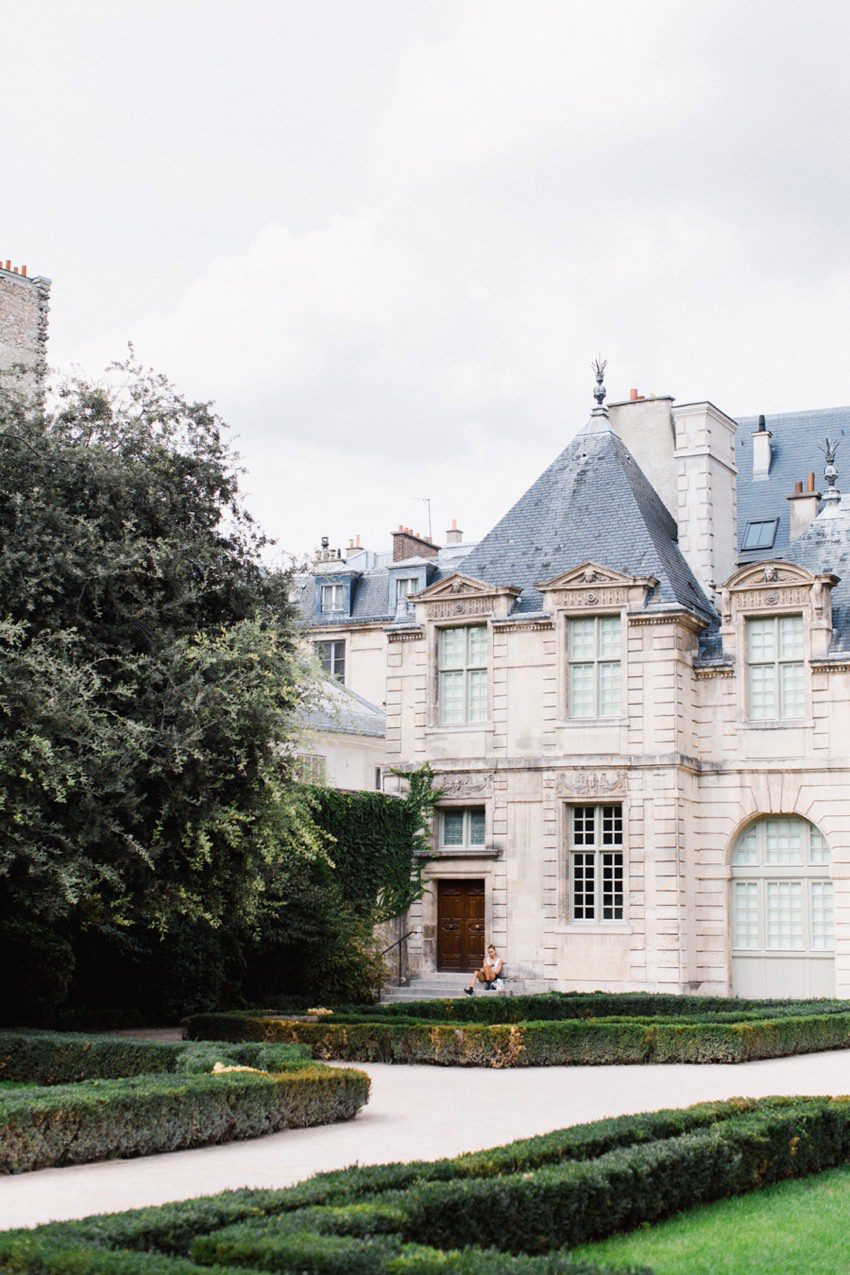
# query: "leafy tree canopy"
{"points": [[148, 665]]}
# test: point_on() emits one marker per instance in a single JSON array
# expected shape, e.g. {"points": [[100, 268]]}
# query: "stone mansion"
{"points": [[635, 694]]}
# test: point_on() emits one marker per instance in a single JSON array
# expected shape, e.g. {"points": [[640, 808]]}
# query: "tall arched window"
{"points": [[781, 923]]}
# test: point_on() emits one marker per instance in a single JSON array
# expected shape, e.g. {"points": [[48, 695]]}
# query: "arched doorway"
{"points": [[781, 894]]}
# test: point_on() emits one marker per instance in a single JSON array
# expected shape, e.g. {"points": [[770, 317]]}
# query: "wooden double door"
{"points": [[460, 925]]}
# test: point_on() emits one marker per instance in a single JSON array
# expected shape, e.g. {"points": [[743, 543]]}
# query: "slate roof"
{"points": [[825, 546], [595, 504], [795, 452], [342, 711]]}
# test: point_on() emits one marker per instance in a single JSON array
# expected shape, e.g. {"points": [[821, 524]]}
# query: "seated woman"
{"points": [[489, 972]]}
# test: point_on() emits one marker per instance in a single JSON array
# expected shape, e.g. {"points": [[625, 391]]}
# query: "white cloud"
{"points": [[664, 183]]}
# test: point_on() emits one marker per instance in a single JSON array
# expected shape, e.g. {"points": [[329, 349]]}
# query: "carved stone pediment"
{"points": [[591, 587], [591, 783], [776, 586], [459, 595]]}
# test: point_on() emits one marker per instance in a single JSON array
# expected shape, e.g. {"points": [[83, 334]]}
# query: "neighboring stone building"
{"points": [[342, 740], [636, 694], [24, 307]]}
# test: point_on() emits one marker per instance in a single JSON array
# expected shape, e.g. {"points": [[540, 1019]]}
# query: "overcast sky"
{"points": [[388, 237]]}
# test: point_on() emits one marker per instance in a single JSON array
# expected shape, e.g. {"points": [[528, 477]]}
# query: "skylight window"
{"points": [[761, 534]]}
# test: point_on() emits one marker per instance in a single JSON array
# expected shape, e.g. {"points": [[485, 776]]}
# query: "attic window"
{"points": [[760, 534]]}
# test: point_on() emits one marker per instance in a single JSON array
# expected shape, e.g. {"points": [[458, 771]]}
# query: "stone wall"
{"points": [[24, 306]]}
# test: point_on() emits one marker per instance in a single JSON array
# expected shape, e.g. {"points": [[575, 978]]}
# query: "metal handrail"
{"points": [[401, 940], [398, 944]]}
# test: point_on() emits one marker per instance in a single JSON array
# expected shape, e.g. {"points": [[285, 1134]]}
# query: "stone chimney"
{"points": [[688, 455], [411, 544], [645, 424], [762, 454], [454, 535], [24, 308], [803, 507]]}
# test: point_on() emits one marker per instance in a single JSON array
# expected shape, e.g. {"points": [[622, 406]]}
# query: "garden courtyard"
{"points": [[414, 1112]]}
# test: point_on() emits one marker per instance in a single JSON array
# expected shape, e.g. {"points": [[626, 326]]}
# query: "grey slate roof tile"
{"points": [[595, 504], [795, 449]]}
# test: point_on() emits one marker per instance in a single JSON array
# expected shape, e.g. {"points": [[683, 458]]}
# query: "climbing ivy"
{"points": [[378, 843]]}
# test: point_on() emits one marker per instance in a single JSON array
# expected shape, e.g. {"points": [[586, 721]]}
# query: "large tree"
{"points": [[148, 665]]}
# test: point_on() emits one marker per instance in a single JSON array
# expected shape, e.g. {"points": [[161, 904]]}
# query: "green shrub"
{"points": [[53, 1058], [511, 1210], [140, 1115], [529, 1044], [43, 965]]}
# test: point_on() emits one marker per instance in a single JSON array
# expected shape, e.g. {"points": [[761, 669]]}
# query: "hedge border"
{"points": [[588, 1042], [552, 1192], [92, 1098]]}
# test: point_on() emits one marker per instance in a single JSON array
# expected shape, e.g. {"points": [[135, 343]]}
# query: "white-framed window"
{"points": [[596, 868], [462, 674], [333, 597], [781, 888], [332, 658], [405, 587], [594, 660], [462, 827], [776, 684], [311, 768]]}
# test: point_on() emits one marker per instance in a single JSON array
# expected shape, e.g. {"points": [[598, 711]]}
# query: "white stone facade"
{"points": [[689, 765]]}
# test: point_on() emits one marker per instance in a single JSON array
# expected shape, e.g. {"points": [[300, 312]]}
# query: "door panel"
{"points": [[460, 925]]}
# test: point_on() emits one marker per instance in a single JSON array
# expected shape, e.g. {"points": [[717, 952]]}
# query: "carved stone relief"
{"points": [[590, 783], [465, 606], [477, 785], [574, 598]]}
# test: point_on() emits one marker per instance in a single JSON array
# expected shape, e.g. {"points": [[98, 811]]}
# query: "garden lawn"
{"points": [[796, 1228]]}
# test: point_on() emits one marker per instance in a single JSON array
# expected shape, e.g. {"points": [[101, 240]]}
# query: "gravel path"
{"points": [[414, 1113]]}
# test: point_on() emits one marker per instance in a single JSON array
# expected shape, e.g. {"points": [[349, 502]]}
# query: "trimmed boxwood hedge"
{"points": [[513, 1210], [587, 1041], [92, 1098], [56, 1058]]}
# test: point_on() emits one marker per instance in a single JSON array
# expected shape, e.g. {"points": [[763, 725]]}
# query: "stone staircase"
{"points": [[427, 987]]}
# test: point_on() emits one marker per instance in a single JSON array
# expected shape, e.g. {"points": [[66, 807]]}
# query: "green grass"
{"points": [[795, 1228], [17, 1084]]}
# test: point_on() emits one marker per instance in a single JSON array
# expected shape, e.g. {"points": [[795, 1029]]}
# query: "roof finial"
{"points": [[599, 365], [830, 472]]}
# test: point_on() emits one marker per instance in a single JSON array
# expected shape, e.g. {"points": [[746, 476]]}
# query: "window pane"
{"points": [[612, 886], [477, 652], [610, 634], [762, 691], [583, 821], [746, 848], [451, 697], [477, 695], [452, 827], [745, 915], [821, 916], [581, 691], [791, 637], [584, 887], [581, 639], [818, 849], [792, 688], [783, 840], [612, 825], [452, 648], [761, 635], [785, 914], [609, 690], [476, 827], [404, 586]]}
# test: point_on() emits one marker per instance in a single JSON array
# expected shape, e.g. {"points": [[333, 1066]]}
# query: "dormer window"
{"points": [[333, 597], [405, 587], [760, 534]]}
